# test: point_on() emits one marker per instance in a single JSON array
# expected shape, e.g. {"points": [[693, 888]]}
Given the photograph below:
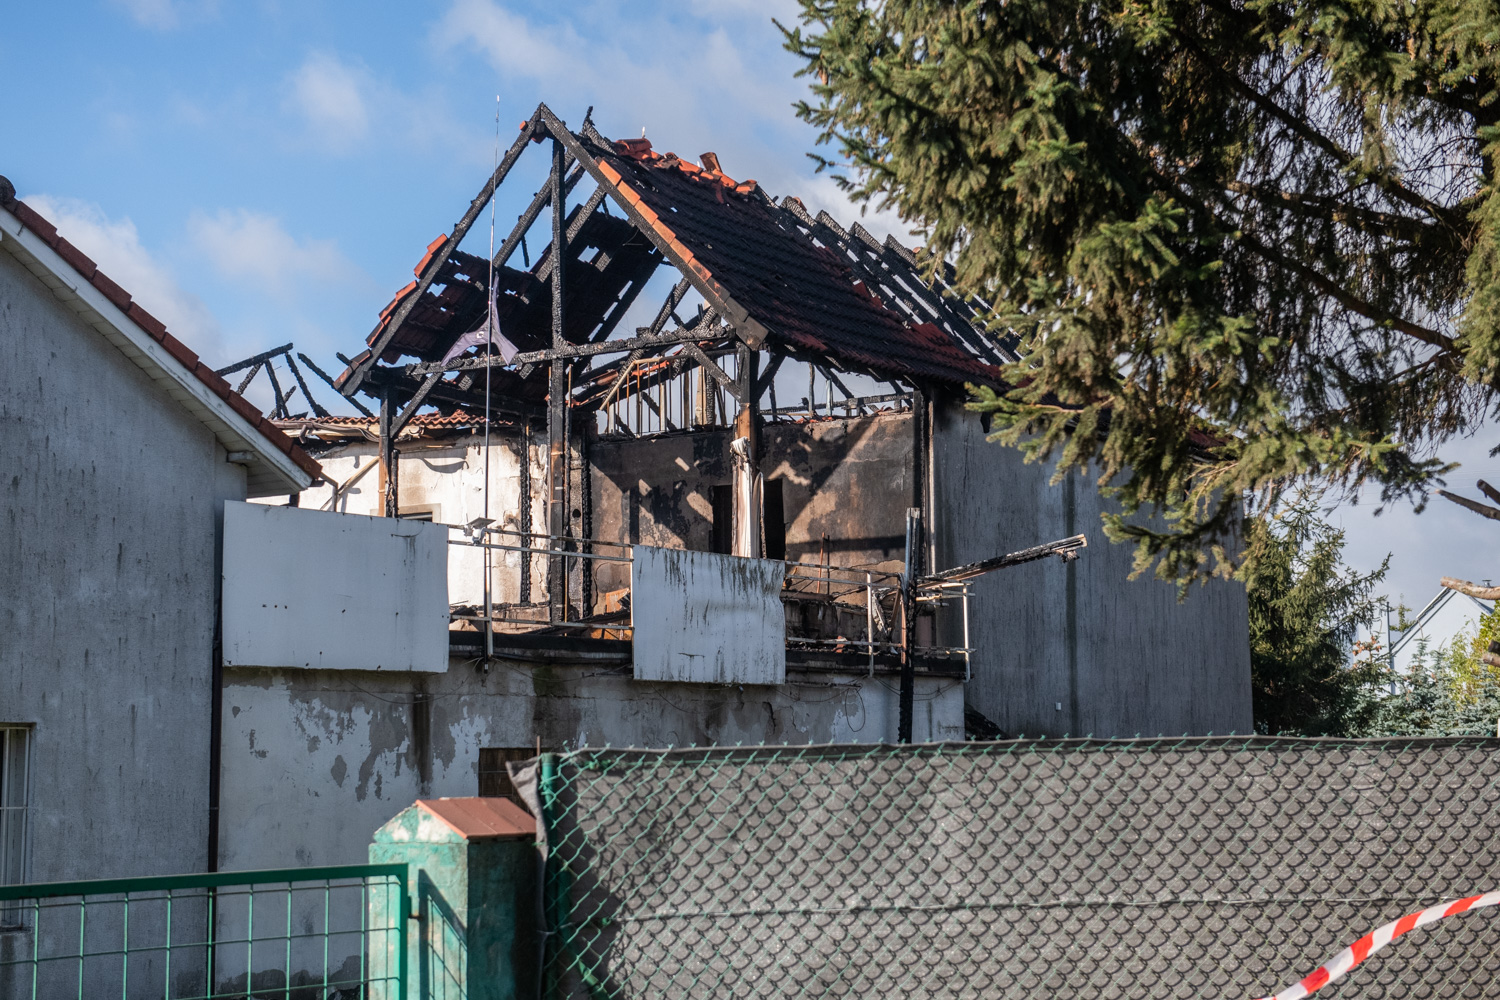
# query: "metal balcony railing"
{"points": [[865, 600]]}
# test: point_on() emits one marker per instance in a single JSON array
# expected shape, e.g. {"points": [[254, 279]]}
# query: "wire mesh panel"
{"points": [[296, 934], [1193, 868]]}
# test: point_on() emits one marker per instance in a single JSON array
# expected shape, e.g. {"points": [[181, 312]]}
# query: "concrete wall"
{"points": [[112, 494], [316, 761], [1078, 649]]}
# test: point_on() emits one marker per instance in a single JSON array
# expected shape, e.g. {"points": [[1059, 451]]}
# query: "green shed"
{"points": [[473, 881]]}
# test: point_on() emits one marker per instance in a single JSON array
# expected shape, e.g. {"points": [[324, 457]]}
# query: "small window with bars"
{"points": [[15, 768], [494, 779]]}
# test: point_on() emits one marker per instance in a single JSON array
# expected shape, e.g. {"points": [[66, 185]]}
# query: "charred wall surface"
{"points": [[845, 486], [1078, 648]]}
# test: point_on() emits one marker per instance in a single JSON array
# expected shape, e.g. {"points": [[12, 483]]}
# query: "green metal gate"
{"points": [[334, 933]]}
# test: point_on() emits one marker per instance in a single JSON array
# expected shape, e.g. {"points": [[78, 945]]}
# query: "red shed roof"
{"points": [[486, 818]]}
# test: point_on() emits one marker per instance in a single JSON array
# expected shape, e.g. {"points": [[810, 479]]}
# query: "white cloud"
{"points": [[695, 83], [512, 44], [115, 245], [330, 97], [165, 15], [250, 246], [341, 107]]}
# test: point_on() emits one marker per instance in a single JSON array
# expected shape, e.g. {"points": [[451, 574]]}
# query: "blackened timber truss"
{"points": [[773, 279]]}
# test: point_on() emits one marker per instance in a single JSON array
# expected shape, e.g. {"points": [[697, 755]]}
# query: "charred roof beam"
{"points": [[740, 320], [527, 218], [578, 217], [257, 360], [716, 373], [559, 353], [455, 393], [384, 334], [362, 408]]}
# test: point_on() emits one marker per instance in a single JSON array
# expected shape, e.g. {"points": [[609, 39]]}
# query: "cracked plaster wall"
{"points": [[316, 761]]}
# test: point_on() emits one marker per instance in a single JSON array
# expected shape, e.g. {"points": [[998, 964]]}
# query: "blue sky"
{"points": [[258, 172]]}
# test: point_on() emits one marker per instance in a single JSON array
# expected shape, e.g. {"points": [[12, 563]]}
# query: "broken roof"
{"points": [[771, 273], [803, 292], [277, 464]]}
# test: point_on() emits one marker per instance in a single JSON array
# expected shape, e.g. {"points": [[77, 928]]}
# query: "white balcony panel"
{"points": [[707, 618], [318, 590]]}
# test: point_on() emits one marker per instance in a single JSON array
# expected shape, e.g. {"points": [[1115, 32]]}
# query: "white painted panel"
{"points": [[311, 588], [705, 617]]}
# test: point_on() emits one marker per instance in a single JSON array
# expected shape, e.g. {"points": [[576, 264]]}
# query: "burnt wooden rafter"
{"points": [[739, 319], [528, 217], [462, 392], [767, 377], [718, 374], [362, 408], [382, 338], [557, 353], [558, 472], [570, 164], [266, 361]]}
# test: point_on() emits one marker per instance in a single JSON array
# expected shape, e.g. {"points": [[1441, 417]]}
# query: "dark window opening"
{"points": [[774, 512], [494, 779], [723, 519]]}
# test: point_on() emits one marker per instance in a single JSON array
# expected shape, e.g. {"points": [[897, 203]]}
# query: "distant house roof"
{"points": [[276, 464], [1440, 619]]}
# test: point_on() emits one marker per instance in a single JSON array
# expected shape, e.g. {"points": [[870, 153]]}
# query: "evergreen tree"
{"points": [[1306, 609], [1242, 242]]}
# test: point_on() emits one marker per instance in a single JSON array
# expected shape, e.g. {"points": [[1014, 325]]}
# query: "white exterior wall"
{"points": [[707, 618], [320, 590], [1448, 618], [447, 479], [108, 530]]}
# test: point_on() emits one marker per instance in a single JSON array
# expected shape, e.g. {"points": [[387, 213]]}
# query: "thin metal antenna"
{"points": [[490, 323]]}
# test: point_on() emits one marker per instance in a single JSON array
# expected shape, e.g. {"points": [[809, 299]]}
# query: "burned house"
{"points": [[684, 468]]}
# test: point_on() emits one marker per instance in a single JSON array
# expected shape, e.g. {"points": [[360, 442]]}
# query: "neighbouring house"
{"points": [[680, 471], [1448, 618], [120, 449]]}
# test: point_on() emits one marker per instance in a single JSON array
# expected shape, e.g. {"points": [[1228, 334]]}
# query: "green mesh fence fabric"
{"points": [[1191, 868]]}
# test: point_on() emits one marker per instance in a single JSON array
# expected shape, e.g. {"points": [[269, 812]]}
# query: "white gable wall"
{"points": [[111, 494]]}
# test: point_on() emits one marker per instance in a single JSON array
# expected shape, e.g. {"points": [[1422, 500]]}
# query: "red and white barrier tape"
{"points": [[1378, 939]]}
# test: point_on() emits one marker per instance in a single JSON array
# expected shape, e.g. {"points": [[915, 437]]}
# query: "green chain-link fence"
{"points": [[1192, 868]]}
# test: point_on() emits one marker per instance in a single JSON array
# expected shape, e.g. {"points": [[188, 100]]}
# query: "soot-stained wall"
{"points": [[846, 484], [315, 761]]}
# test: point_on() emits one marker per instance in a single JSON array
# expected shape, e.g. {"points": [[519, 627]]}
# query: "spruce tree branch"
{"points": [[1314, 277], [1349, 300], [1301, 127], [1314, 207], [1472, 589], [1479, 508]]}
